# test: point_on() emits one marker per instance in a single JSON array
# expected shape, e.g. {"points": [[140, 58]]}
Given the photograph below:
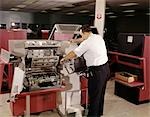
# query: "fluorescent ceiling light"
{"points": [[109, 13], [112, 16], [128, 11], [14, 9], [147, 13], [71, 1], [55, 9], [84, 11], [129, 15], [69, 5], [107, 8], [21, 6], [129, 4], [12, 24], [70, 13], [29, 1], [43, 11], [92, 15]]}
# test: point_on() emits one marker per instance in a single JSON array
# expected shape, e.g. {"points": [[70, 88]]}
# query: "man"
{"points": [[94, 51]]}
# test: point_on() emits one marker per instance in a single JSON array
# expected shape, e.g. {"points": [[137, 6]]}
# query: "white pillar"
{"points": [[100, 15]]}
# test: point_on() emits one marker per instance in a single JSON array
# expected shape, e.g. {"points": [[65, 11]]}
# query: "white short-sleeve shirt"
{"points": [[94, 50]]}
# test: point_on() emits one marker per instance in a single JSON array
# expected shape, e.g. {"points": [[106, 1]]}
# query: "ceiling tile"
{"points": [[38, 5]]}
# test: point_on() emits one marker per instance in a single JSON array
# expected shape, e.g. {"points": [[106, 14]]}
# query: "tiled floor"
{"points": [[114, 106]]}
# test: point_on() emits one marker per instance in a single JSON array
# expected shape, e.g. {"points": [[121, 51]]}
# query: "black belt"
{"points": [[96, 67]]}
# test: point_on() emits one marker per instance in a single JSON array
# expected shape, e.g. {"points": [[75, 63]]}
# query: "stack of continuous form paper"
{"points": [[126, 77], [71, 99]]}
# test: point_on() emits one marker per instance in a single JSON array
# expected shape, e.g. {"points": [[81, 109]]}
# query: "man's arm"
{"points": [[69, 56], [79, 40]]}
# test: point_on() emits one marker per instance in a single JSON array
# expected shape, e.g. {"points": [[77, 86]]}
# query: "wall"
{"points": [[74, 19], [52, 19], [6, 17], [121, 24], [41, 18], [132, 24], [136, 24]]}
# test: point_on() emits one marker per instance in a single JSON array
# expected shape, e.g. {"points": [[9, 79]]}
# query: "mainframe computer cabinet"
{"points": [[139, 91]]}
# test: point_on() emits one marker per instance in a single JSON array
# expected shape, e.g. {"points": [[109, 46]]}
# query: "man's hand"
{"points": [[62, 61], [79, 40], [69, 56], [72, 40]]}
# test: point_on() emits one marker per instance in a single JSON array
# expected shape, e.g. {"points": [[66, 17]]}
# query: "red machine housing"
{"points": [[41, 100], [12, 34], [138, 91], [1, 75], [6, 76], [84, 90], [5, 36], [45, 34]]}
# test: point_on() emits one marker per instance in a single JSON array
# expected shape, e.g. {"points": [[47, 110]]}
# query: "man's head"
{"points": [[85, 31]]}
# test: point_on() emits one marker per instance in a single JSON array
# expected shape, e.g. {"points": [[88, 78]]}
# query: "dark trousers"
{"points": [[98, 76]]}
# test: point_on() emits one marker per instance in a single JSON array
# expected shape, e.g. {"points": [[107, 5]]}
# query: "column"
{"points": [[100, 15]]}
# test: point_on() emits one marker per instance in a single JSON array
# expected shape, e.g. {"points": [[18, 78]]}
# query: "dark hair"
{"points": [[86, 28]]}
